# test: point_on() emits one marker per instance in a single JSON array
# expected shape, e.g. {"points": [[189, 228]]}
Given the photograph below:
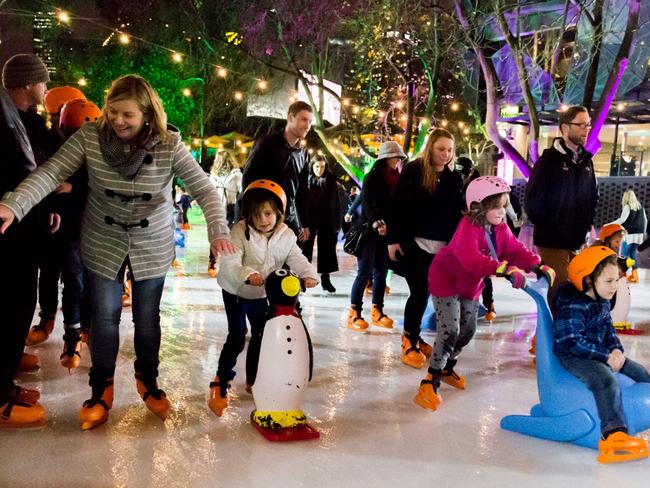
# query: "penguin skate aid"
{"points": [[612, 236], [132, 225], [590, 394], [483, 245], [264, 244]]}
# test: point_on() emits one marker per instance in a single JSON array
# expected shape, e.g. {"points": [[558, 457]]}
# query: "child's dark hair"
{"points": [[253, 201], [477, 212], [608, 240], [598, 270]]}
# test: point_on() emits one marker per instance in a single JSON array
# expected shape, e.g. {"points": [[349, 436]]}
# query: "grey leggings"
{"points": [[456, 320]]}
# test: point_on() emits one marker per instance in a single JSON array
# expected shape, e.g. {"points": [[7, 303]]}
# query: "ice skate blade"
{"points": [[91, 424], [623, 455], [456, 383], [39, 424], [424, 403]]}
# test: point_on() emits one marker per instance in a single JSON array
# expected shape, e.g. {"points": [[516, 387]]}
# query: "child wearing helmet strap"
{"points": [[263, 243], [483, 245], [587, 346]]}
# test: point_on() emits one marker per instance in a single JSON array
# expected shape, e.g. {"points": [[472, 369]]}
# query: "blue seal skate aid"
{"points": [[567, 411]]}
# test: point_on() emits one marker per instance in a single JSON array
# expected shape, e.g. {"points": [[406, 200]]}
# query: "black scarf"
{"points": [[127, 163]]}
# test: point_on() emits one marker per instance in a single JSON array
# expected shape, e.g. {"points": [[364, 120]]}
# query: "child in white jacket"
{"points": [[262, 243]]}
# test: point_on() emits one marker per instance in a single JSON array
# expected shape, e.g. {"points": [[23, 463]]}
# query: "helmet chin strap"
{"points": [[593, 287]]}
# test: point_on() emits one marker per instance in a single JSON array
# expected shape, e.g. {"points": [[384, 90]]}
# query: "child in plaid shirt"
{"points": [[586, 344]]}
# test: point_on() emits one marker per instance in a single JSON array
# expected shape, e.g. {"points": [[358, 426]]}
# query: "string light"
{"points": [[177, 57], [262, 84], [444, 123], [187, 92], [454, 106], [63, 16], [222, 72], [239, 96], [124, 38], [620, 107], [461, 124], [82, 82]]}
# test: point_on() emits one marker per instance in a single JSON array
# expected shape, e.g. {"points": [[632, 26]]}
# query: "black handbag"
{"points": [[353, 239]]}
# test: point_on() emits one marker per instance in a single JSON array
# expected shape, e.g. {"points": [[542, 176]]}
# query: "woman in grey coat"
{"points": [[131, 157]]}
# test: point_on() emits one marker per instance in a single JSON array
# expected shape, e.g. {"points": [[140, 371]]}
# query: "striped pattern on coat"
{"points": [[105, 246]]}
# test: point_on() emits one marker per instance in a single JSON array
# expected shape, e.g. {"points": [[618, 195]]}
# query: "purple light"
{"points": [[593, 144]]}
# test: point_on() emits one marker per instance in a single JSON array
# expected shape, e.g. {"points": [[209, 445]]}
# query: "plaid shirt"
{"points": [[583, 326]]}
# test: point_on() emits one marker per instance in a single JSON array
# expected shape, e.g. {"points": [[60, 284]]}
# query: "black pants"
{"points": [[49, 265], [416, 271], [18, 285], [237, 310], [326, 259]]}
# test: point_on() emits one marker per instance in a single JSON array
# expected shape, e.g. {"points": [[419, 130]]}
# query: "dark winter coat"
{"points": [[417, 213], [561, 197], [272, 158], [375, 195], [323, 206]]}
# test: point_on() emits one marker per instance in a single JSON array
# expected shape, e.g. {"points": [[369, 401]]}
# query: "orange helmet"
{"points": [[609, 230], [584, 264], [76, 113], [273, 188], [56, 97]]}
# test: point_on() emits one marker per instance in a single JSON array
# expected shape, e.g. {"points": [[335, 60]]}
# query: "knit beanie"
{"points": [[24, 69]]}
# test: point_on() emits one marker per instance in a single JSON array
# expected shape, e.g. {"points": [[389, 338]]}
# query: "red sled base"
{"points": [[285, 434], [630, 332]]}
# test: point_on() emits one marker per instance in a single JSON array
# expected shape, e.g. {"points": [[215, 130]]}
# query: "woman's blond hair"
{"points": [[429, 176], [630, 199], [136, 88]]}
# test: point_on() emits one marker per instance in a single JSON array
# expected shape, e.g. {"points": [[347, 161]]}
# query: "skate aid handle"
{"points": [[544, 271], [513, 274]]}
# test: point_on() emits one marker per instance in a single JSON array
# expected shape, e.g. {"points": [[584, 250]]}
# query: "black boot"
{"points": [[326, 283]]}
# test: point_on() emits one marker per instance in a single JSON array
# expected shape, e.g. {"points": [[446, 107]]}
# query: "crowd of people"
{"points": [[445, 231]]}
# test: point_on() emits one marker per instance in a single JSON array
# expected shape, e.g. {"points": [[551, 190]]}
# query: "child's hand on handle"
{"points": [[513, 274], [255, 279], [6, 217], [616, 360], [309, 282], [544, 271]]}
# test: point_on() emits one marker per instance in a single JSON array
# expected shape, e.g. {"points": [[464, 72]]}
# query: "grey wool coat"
{"points": [[124, 217]]}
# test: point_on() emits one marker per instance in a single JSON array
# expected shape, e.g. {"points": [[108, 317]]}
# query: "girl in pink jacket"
{"points": [[483, 245]]}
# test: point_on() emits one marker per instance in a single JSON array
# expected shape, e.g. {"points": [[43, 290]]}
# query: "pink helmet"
{"points": [[483, 187]]}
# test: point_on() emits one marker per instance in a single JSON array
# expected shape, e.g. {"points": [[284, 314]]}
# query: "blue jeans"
{"points": [[106, 310], [600, 380], [372, 262], [74, 298], [237, 309]]}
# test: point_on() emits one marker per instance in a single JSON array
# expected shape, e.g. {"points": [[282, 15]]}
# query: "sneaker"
{"points": [[355, 321], [379, 318]]}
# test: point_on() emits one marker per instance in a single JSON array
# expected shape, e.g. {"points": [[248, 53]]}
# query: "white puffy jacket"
{"points": [[257, 254]]}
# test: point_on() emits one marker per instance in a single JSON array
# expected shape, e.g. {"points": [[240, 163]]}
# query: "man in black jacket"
{"points": [[24, 77], [562, 194], [280, 157]]}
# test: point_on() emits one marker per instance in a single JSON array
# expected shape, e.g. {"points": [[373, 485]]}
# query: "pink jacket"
{"points": [[460, 267]]}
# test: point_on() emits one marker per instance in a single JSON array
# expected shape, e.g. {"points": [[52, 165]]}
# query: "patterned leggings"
{"points": [[456, 319]]}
